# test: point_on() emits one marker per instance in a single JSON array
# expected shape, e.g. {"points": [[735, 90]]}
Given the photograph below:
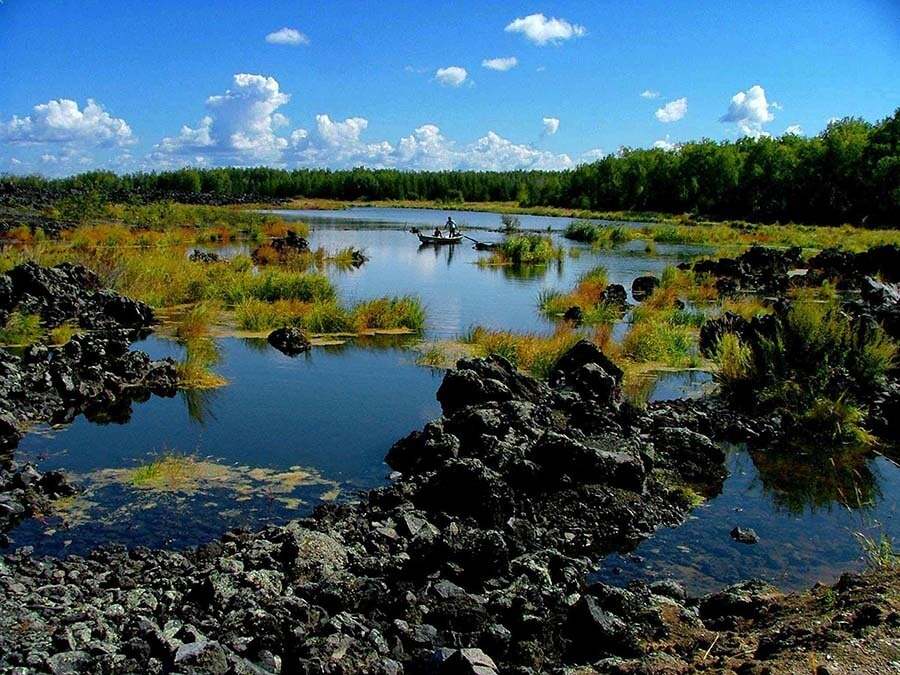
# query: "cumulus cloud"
{"points": [[664, 144], [673, 110], [542, 31], [749, 110], [502, 63], [451, 76], [649, 93], [551, 125], [60, 121], [239, 127], [287, 36], [245, 126], [794, 129]]}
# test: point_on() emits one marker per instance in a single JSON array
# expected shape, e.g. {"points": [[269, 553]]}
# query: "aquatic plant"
{"points": [[196, 321], [21, 329], [597, 234], [195, 370], [405, 311], [524, 249], [168, 472]]}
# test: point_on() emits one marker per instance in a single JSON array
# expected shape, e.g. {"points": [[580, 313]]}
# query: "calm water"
{"points": [[285, 433], [805, 534]]}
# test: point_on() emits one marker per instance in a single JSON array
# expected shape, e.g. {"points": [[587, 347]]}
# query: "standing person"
{"points": [[451, 226]]}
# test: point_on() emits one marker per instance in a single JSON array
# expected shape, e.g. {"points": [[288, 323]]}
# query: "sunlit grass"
{"points": [[62, 334], [532, 353], [195, 371], [524, 249], [21, 329]]}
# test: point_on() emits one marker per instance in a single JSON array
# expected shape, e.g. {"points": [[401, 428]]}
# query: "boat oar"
{"points": [[470, 239]]}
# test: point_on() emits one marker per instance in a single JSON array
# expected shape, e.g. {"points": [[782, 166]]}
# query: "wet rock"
{"points": [[289, 340], [643, 287], [574, 314], [615, 296], [748, 600], [745, 535], [583, 353], [206, 657]]}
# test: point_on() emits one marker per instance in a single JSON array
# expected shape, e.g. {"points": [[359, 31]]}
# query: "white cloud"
{"points": [[593, 155], [287, 36], [61, 121], [501, 63], [673, 110], [649, 93], [750, 111], [551, 125], [451, 76], [541, 31], [340, 144], [493, 153], [664, 144], [239, 127], [794, 129]]}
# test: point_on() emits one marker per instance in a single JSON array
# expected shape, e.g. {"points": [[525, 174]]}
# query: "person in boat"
{"points": [[438, 233], [451, 226]]}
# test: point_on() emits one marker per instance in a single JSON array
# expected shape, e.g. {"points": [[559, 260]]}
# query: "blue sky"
{"points": [[381, 84]]}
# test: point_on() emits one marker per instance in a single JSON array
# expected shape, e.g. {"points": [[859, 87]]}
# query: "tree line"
{"points": [[849, 173]]}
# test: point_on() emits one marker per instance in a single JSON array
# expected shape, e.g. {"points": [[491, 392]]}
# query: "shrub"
{"points": [[525, 249]]}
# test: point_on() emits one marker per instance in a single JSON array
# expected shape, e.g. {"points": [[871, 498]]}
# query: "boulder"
{"points": [[643, 287], [206, 657], [289, 340], [615, 295]]}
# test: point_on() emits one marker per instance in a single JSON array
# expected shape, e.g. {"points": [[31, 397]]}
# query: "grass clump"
{"points": [[196, 321], [535, 354], [816, 365], [587, 295], [657, 340], [403, 311], [62, 334], [21, 329], [596, 233], [879, 552], [169, 472], [524, 249], [195, 371]]}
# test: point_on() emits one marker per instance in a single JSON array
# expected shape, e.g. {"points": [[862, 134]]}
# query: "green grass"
{"points": [[196, 321], [21, 329], [535, 354], [62, 334], [524, 249], [655, 340], [403, 311], [879, 552], [195, 371], [817, 369], [597, 234]]}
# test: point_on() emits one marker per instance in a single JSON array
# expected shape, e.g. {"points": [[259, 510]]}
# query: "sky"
{"points": [[131, 85]]}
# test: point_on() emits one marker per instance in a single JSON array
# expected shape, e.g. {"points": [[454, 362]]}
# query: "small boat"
{"points": [[428, 239]]}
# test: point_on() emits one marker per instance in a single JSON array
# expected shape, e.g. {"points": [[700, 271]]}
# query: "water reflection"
{"points": [[842, 479], [807, 531]]}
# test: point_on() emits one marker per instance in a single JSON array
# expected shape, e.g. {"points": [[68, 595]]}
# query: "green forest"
{"points": [[849, 173]]}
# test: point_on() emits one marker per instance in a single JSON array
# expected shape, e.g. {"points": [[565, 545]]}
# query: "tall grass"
{"points": [[329, 316], [524, 249], [596, 233], [817, 368], [536, 354], [587, 295]]}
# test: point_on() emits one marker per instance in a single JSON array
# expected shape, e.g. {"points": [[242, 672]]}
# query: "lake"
{"points": [[288, 433]]}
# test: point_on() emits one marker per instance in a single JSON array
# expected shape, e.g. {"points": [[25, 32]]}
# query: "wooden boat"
{"points": [[428, 239]]}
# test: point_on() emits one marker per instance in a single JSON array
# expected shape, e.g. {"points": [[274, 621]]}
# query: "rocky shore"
{"points": [[474, 559], [95, 373]]}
